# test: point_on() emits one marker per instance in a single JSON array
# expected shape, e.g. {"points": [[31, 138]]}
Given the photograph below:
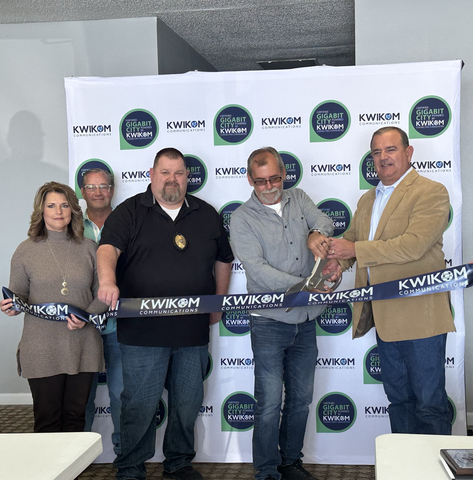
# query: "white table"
{"points": [[47, 456], [414, 457]]}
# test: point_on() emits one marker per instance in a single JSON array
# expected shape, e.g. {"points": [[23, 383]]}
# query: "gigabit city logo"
{"points": [[368, 176], [335, 320], [238, 412], [429, 117], [161, 413], [372, 367], [237, 363], [206, 411], [185, 126], [336, 413], [224, 173], [233, 125], [91, 130], [87, 165], [197, 173], [378, 411], [380, 119], [339, 212], [293, 168], [226, 214], [330, 169], [138, 129], [235, 323], [436, 166], [329, 121], [335, 363], [135, 176], [280, 122]]}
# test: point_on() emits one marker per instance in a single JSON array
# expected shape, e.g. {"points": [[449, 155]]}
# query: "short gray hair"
{"points": [[258, 157]]}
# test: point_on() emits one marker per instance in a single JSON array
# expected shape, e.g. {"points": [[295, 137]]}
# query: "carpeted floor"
{"points": [[19, 419]]}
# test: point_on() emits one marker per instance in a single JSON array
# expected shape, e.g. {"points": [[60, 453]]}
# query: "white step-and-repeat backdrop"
{"points": [[321, 120]]}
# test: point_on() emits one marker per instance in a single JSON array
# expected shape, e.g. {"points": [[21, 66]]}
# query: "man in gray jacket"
{"points": [[277, 235]]}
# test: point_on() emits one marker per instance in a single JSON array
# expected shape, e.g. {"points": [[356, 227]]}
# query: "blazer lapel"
{"points": [[366, 219]]}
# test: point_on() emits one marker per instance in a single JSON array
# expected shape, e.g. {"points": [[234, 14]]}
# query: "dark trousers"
{"points": [[413, 373], [59, 402]]}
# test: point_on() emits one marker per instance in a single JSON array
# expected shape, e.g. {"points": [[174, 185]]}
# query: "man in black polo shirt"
{"points": [[161, 243]]}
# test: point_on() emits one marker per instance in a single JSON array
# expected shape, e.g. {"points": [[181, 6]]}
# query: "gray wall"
{"points": [[34, 60], [429, 30], [175, 55]]}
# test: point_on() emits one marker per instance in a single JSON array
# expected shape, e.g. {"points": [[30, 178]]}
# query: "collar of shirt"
{"points": [[261, 206], [381, 188], [90, 229]]}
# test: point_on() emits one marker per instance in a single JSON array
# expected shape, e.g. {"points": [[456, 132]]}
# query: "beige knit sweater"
{"points": [[47, 347]]}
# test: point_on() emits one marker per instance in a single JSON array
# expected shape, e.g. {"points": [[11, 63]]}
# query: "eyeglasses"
{"points": [[102, 187], [263, 181]]}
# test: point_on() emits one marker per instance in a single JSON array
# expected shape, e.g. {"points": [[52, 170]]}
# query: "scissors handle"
{"points": [[316, 276]]}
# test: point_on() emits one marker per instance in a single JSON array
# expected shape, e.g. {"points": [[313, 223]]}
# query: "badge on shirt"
{"points": [[180, 242]]}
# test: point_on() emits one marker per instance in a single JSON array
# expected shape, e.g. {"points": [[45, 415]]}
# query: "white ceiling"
{"points": [[230, 34]]}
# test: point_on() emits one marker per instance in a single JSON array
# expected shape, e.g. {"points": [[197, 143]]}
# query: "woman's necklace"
{"points": [[64, 290]]}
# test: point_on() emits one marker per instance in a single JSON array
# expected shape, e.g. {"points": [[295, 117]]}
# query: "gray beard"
{"points": [[169, 197], [269, 196]]}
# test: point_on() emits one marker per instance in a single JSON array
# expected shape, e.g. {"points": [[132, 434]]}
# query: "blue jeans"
{"points": [[283, 354], [113, 363], [146, 371], [413, 373]]}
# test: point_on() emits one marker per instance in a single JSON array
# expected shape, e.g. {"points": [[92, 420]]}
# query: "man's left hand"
{"points": [[318, 244], [332, 267], [341, 248]]}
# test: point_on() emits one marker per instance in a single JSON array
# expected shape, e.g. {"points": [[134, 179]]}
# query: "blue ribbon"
{"points": [[453, 278], [57, 312]]}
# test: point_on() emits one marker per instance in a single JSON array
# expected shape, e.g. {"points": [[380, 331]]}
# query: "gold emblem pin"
{"points": [[180, 242]]}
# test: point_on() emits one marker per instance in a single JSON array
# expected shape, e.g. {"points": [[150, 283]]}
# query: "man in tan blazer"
{"points": [[396, 232]]}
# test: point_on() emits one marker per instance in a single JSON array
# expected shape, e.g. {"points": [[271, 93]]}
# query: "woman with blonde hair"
{"points": [[56, 264]]}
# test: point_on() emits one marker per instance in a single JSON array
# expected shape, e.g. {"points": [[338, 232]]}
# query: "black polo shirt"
{"points": [[151, 266]]}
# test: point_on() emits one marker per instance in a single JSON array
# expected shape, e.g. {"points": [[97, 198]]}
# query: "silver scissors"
{"points": [[315, 281]]}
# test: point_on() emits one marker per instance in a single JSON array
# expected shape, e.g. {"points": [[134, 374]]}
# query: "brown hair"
{"points": [[108, 175], [170, 152], [38, 230]]}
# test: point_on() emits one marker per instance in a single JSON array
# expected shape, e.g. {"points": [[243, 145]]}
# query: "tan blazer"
{"points": [[407, 242]]}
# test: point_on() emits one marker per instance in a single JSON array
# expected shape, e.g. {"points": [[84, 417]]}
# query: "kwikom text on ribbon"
{"points": [[453, 278]]}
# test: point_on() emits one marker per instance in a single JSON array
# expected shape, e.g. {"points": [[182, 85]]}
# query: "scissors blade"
{"points": [[316, 276], [302, 285], [296, 288]]}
